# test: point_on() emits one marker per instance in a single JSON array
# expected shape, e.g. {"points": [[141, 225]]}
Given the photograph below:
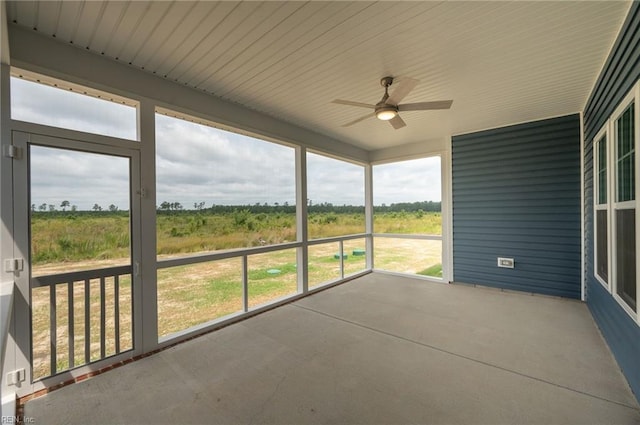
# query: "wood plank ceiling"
{"points": [[501, 62]]}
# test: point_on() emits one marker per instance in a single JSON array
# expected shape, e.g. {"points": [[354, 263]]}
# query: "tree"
{"points": [[42, 207], [165, 206], [33, 207], [74, 208], [113, 208], [97, 207], [64, 205], [52, 207]]}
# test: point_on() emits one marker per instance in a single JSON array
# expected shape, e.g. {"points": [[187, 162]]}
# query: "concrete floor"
{"points": [[377, 350]]}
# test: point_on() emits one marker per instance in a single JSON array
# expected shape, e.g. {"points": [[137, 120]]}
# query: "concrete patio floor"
{"points": [[380, 349]]}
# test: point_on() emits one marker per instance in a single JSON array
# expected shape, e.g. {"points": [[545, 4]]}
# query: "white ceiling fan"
{"points": [[389, 106]]}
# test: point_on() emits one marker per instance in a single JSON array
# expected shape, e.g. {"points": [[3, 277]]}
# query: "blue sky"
{"points": [[195, 163]]}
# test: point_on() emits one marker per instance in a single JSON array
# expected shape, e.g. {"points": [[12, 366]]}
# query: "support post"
{"points": [[7, 286], [368, 214], [148, 293], [301, 220]]}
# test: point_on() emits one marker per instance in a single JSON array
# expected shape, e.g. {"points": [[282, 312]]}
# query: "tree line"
{"points": [[324, 207], [44, 207], [257, 208]]}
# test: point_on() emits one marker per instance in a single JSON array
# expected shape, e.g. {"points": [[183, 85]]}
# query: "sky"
{"points": [[194, 163]]}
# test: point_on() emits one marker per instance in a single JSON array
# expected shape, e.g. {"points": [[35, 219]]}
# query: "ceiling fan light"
{"points": [[385, 114]]}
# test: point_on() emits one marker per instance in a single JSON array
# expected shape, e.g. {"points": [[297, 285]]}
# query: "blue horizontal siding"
{"points": [[621, 333], [516, 194], [618, 75], [620, 72]]}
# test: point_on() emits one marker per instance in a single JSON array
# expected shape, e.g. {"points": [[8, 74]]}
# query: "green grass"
{"points": [[435, 271], [64, 238], [427, 223], [215, 291]]}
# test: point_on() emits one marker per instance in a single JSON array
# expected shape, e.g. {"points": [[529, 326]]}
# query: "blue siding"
{"points": [[620, 73], [516, 193]]}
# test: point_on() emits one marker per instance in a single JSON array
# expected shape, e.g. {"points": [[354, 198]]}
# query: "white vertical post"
{"points": [[301, 220], [447, 215], [7, 296], [17, 228], [368, 215], [147, 295], [341, 251], [245, 283]]}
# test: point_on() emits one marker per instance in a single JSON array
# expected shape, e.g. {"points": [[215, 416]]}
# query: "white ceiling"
{"points": [[500, 62]]}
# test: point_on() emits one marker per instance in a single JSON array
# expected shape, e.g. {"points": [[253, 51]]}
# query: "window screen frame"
{"points": [[601, 204], [623, 199], [618, 202]]}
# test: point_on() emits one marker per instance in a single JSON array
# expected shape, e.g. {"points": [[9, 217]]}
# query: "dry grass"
{"points": [[406, 255]]}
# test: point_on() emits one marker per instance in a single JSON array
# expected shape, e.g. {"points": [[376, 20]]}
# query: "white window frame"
{"points": [[603, 133], [612, 205]]}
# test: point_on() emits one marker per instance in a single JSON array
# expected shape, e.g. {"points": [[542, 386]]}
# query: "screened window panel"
{"points": [[57, 107], [626, 256], [625, 157], [602, 170], [602, 260]]}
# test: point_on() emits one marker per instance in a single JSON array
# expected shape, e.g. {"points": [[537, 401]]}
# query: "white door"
{"points": [[79, 204]]}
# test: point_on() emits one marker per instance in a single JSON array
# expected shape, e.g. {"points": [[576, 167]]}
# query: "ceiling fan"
{"points": [[388, 107]]}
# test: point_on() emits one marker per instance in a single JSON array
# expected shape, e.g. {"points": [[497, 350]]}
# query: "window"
{"points": [[407, 198], [216, 191], [601, 208], [220, 190], [335, 192], [624, 207], [43, 100], [625, 156], [615, 199]]}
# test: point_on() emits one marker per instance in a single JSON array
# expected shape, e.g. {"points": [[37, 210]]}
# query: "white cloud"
{"points": [[62, 108], [81, 178], [407, 181], [333, 181], [196, 163]]}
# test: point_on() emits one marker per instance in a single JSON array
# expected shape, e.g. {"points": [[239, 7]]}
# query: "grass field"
{"points": [[194, 294], [74, 238]]}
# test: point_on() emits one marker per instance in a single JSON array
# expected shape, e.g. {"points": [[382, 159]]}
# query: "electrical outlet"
{"points": [[506, 262]]}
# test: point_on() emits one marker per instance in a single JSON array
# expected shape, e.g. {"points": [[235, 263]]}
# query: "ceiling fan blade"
{"points": [[371, 115], [404, 87], [426, 106], [350, 103], [397, 122]]}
